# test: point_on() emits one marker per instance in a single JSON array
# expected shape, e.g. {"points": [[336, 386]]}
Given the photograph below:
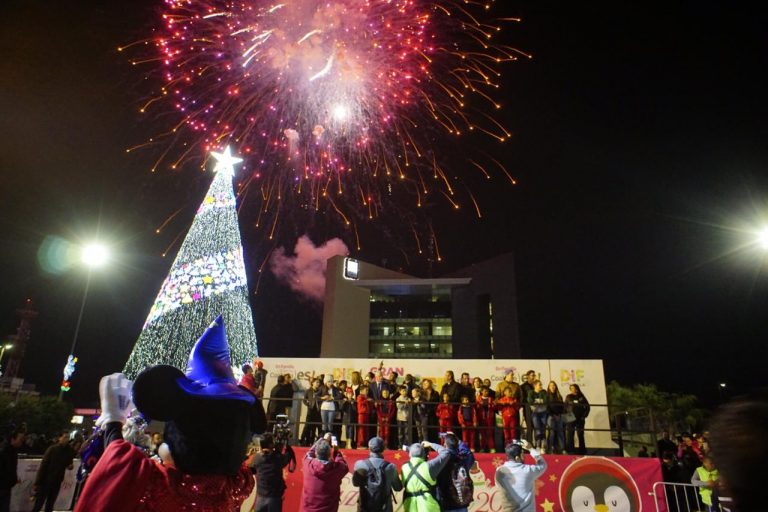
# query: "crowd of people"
{"points": [[688, 460], [429, 484], [202, 461], [400, 409], [57, 458]]}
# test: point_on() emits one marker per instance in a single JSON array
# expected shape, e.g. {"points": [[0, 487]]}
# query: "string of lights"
{"points": [[206, 279]]}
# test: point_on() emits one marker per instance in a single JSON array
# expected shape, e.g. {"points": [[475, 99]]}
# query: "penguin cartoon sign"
{"points": [[598, 484]]}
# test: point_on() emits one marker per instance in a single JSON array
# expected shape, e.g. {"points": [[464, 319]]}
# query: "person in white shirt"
{"points": [[517, 479]]}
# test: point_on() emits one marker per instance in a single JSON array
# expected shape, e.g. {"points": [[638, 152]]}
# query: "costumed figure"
{"points": [[209, 421]]}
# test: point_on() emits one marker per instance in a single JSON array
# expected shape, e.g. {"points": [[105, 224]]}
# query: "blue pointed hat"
{"points": [[209, 370]]}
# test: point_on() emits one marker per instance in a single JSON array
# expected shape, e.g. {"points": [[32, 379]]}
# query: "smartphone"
{"points": [[334, 441]]}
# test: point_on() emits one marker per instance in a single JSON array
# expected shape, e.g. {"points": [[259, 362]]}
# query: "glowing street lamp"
{"points": [[762, 238], [7, 346], [92, 255]]}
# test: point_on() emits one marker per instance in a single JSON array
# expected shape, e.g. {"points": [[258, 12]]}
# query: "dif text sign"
{"points": [[587, 373]]}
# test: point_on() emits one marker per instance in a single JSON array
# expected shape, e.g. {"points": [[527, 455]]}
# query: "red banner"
{"points": [[561, 488]]}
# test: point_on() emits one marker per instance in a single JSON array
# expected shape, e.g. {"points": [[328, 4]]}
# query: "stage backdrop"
{"points": [[587, 373], [566, 484]]}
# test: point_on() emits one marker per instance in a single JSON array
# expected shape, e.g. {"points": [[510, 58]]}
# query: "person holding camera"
{"points": [[267, 465], [419, 477], [517, 479], [324, 469]]}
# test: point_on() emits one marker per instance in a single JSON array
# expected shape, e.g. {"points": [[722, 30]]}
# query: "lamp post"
{"points": [[6, 346], [92, 256]]}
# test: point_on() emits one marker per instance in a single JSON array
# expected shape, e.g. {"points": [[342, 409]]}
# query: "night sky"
{"points": [[639, 148]]}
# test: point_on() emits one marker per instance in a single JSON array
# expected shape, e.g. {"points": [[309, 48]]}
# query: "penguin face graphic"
{"points": [[597, 484]]}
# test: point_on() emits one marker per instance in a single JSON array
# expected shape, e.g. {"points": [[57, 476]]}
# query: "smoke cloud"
{"points": [[305, 272]]}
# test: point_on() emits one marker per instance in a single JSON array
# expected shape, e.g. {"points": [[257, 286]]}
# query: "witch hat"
{"points": [[161, 391]]}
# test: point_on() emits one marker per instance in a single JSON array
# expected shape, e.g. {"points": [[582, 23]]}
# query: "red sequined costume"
{"points": [[126, 480]]}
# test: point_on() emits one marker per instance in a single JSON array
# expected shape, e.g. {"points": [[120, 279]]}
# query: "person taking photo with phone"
{"points": [[517, 479], [324, 469]]}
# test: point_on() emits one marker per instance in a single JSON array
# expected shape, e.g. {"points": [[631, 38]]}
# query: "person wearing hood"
{"points": [[362, 475], [209, 421], [419, 477], [324, 469]]}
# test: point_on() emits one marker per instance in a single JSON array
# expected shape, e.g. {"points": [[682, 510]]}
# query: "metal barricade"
{"points": [[683, 498]]}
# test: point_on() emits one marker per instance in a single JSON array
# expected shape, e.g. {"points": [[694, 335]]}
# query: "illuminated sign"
{"points": [[351, 267]]}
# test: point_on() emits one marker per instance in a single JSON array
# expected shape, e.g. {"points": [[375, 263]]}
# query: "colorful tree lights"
{"points": [[206, 279]]}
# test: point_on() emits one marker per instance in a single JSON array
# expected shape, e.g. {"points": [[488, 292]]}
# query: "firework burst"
{"points": [[337, 105]]}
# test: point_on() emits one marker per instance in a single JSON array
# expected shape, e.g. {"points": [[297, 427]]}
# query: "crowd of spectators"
{"points": [[688, 461], [401, 409], [57, 457]]}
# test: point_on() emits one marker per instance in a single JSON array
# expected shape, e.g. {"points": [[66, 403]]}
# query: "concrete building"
{"points": [[370, 311]]}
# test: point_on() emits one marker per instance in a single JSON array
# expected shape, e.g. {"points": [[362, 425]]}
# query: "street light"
{"points": [[762, 238], [722, 388], [92, 255], [7, 346]]}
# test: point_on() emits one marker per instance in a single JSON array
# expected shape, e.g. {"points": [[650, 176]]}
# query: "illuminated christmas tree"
{"points": [[207, 279]]}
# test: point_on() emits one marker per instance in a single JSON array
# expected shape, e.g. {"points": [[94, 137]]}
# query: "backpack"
{"points": [[461, 489], [374, 493]]}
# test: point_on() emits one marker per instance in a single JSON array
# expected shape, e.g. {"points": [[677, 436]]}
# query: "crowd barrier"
{"points": [[566, 476], [677, 497]]}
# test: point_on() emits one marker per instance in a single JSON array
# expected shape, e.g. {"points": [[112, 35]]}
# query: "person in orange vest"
{"points": [[446, 414], [468, 420], [509, 406], [364, 409]]}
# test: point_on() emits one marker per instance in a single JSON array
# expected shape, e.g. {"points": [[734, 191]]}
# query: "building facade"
{"points": [[370, 311]]}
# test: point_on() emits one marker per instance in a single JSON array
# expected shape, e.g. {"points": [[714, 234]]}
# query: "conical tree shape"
{"points": [[207, 279]]}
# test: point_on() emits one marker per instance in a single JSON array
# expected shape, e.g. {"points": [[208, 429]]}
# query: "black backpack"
{"points": [[374, 493], [461, 489]]}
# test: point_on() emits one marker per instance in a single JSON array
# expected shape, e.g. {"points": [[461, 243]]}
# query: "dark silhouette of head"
{"points": [[739, 446]]}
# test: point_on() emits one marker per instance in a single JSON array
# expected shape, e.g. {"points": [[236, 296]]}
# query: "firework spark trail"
{"points": [[320, 95]]}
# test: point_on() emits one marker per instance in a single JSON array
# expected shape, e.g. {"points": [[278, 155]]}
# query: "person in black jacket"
{"points": [[9, 456], [56, 461], [268, 466], [576, 403], [279, 398], [452, 388]]}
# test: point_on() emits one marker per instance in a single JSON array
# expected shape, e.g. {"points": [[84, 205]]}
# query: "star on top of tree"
{"points": [[225, 161]]}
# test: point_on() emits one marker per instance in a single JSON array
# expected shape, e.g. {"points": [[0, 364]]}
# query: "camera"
{"points": [[281, 432]]}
